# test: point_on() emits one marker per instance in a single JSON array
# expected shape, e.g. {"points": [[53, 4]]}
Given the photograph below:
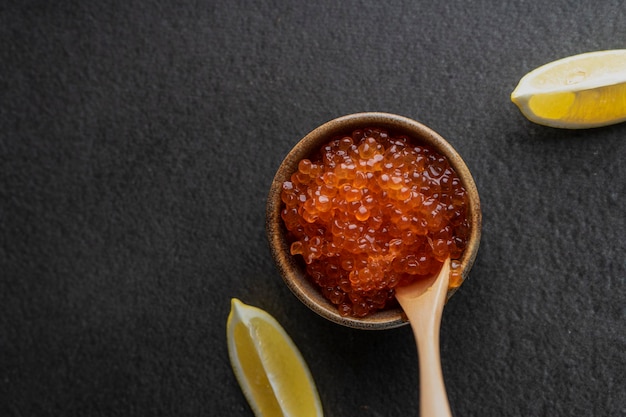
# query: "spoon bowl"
{"points": [[292, 269]]}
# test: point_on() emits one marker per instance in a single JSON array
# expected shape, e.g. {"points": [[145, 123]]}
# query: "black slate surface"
{"points": [[137, 144]]}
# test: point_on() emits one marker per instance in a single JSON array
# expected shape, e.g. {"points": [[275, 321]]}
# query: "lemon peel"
{"points": [[577, 92]]}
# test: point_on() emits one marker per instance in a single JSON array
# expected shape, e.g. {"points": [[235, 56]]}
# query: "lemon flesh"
{"points": [[582, 91], [269, 368]]}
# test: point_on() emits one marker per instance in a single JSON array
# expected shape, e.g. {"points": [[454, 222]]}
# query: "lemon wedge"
{"points": [[581, 91], [271, 371]]}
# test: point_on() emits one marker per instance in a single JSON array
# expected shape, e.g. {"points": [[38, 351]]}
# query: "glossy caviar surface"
{"points": [[371, 211]]}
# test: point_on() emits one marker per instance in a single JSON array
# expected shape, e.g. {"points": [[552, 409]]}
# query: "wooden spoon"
{"points": [[423, 303]]}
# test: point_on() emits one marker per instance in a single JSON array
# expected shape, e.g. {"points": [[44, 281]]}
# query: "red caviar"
{"points": [[372, 211]]}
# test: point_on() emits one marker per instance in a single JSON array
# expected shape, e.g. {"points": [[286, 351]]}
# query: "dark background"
{"points": [[138, 140]]}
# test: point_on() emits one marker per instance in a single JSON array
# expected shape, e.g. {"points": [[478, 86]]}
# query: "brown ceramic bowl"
{"points": [[292, 268]]}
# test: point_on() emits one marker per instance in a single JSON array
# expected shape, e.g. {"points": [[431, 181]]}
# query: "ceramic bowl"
{"points": [[292, 268]]}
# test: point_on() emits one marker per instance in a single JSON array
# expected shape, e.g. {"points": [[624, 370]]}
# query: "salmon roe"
{"points": [[370, 212]]}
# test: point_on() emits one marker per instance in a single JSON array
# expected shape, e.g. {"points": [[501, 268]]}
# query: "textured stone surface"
{"points": [[137, 144]]}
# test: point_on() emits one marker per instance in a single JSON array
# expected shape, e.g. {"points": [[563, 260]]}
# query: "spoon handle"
{"points": [[423, 304]]}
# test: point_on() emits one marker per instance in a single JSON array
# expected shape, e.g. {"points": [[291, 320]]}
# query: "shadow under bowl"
{"points": [[293, 269]]}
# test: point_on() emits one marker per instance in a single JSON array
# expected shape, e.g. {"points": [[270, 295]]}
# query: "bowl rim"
{"points": [[291, 269]]}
